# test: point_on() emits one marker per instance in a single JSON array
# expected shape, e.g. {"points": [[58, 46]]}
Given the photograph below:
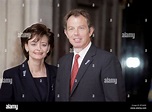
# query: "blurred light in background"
{"points": [[132, 62]]}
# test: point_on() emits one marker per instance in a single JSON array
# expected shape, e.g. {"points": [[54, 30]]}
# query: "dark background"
{"points": [[137, 19]]}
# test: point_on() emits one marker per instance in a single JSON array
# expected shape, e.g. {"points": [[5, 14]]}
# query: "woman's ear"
{"points": [[26, 48], [48, 49]]}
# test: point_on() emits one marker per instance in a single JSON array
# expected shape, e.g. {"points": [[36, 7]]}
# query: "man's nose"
{"points": [[76, 31]]}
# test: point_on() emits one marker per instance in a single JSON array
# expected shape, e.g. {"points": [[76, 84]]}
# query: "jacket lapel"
{"points": [[68, 73], [49, 80], [84, 65], [28, 82]]}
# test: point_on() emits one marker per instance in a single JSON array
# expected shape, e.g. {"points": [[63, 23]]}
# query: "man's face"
{"points": [[78, 32]]}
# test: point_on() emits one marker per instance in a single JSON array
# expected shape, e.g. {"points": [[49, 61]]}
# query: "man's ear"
{"points": [[65, 32], [91, 31]]}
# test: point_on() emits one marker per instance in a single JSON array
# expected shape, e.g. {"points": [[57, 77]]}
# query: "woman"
{"points": [[34, 79]]}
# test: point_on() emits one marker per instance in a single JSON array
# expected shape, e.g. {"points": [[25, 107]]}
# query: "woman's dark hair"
{"points": [[40, 30]]}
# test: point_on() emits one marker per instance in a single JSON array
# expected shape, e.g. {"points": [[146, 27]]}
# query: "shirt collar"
{"points": [[84, 51]]}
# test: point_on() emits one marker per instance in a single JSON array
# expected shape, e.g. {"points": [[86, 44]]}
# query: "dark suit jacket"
{"points": [[99, 78], [23, 88]]}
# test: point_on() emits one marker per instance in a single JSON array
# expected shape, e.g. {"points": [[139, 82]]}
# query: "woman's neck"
{"points": [[37, 68]]}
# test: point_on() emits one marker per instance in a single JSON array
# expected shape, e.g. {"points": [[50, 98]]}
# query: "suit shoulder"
{"points": [[52, 70], [52, 66], [100, 51], [106, 54], [12, 70], [64, 57]]}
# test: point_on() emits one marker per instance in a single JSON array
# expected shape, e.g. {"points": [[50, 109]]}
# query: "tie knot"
{"points": [[77, 56]]}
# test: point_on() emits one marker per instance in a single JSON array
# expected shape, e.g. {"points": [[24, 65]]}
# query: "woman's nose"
{"points": [[38, 46]]}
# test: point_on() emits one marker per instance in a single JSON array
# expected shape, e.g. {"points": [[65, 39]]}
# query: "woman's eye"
{"points": [[44, 45], [33, 44]]}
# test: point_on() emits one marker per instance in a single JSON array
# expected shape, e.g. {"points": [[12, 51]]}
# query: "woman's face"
{"points": [[38, 49]]}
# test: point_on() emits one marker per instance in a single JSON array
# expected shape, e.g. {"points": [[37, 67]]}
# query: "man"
{"points": [[99, 77]]}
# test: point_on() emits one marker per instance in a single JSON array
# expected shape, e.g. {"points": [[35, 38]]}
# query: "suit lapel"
{"points": [[85, 64], [49, 80], [67, 77], [68, 65], [28, 82]]}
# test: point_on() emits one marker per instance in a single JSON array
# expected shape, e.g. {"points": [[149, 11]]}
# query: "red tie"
{"points": [[74, 70]]}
